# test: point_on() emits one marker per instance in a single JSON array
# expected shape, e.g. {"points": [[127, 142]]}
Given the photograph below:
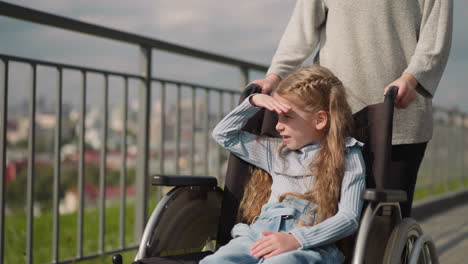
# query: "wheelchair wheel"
{"points": [[402, 242]]}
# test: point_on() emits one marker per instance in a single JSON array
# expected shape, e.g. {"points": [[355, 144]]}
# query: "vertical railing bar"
{"points": [[31, 163], [103, 165], [193, 130], [458, 144], [448, 163], [163, 125], [207, 128], [244, 76], [3, 143], [123, 172], [162, 136], [431, 161], [81, 169], [177, 128], [220, 149], [233, 101], [438, 151], [57, 167], [456, 137], [459, 129], [141, 180], [439, 158], [463, 132], [448, 146]]}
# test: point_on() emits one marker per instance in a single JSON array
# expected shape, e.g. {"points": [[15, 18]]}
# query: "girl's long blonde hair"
{"points": [[312, 88]]}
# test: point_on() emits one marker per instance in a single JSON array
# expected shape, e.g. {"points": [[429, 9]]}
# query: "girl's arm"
{"points": [[249, 147], [346, 220]]}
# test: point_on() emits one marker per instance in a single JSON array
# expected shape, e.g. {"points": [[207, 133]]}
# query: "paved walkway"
{"points": [[449, 230]]}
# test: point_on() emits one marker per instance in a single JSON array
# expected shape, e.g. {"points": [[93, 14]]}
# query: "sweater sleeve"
{"points": [[249, 147], [346, 220], [300, 38], [434, 43]]}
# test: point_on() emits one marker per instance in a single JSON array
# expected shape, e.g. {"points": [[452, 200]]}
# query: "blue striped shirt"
{"points": [[290, 173]]}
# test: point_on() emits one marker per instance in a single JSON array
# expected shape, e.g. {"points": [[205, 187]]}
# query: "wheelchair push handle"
{"points": [[391, 94], [250, 89]]}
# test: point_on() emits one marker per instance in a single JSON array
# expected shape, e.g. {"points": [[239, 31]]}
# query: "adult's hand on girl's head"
{"points": [[269, 83], [270, 103], [274, 243], [406, 90]]}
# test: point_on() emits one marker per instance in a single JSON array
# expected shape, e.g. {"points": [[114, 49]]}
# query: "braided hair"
{"points": [[315, 88]]}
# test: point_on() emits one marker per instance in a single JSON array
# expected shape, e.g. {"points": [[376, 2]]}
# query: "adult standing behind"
{"points": [[371, 45]]}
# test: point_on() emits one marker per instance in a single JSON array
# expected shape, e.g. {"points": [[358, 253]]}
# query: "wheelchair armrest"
{"points": [[384, 195], [181, 180]]}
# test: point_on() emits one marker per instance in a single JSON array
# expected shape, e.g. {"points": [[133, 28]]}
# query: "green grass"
{"points": [[15, 233], [15, 236], [438, 189]]}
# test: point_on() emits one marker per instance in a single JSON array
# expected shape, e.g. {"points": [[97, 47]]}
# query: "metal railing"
{"points": [[192, 106], [445, 162], [147, 85]]}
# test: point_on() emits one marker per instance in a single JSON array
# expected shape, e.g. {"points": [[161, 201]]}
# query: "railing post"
{"points": [[3, 143], [141, 181], [103, 165], [244, 76], [463, 143], [123, 172], [57, 168], [81, 167], [31, 165]]}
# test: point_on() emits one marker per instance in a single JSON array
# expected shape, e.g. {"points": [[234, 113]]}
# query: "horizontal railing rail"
{"points": [[445, 163], [84, 72], [147, 82], [39, 17]]}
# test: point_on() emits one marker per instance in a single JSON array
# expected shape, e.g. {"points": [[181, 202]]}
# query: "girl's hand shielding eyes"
{"points": [[270, 103], [274, 243]]}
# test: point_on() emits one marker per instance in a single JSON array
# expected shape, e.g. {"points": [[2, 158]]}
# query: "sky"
{"points": [[243, 29]]}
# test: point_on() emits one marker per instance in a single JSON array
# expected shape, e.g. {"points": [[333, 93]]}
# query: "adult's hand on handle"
{"points": [[406, 90], [269, 83]]}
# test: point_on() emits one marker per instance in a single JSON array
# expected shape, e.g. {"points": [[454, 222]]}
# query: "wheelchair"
{"points": [[195, 218]]}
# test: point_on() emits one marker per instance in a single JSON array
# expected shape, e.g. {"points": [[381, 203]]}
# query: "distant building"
{"points": [[70, 202], [12, 169]]}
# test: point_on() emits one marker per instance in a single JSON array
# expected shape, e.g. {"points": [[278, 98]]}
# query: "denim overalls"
{"points": [[275, 217]]}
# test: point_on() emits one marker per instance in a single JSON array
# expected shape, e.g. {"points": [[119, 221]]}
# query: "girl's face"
{"points": [[299, 128]]}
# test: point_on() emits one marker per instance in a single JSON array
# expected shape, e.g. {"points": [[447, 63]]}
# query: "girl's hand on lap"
{"points": [[274, 243], [270, 103]]}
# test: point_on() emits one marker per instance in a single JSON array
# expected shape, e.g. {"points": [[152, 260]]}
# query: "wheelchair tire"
{"points": [[401, 242]]}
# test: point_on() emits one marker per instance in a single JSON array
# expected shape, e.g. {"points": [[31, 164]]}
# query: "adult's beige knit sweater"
{"points": [[370, 43]]}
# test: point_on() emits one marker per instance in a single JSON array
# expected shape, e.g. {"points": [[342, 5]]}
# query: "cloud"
{"points": [[246, 29]]}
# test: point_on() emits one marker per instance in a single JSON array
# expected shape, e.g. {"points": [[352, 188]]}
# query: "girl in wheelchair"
{"points": [[317, 174]]}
